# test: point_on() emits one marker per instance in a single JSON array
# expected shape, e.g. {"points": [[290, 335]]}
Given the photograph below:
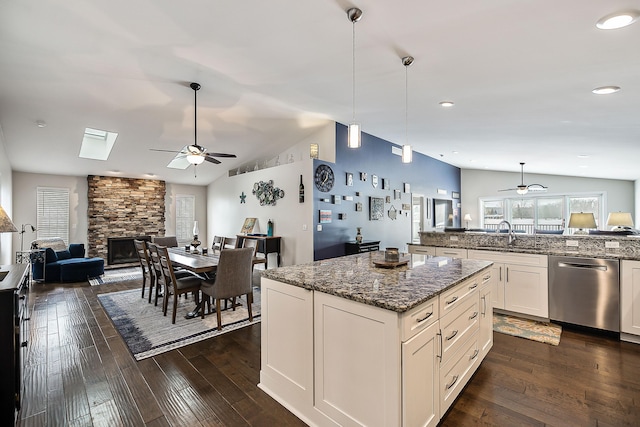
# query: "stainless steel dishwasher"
{"points": [[585, 291]]}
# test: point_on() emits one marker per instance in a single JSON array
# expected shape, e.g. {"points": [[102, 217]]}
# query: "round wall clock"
{"points": [[324, 178]]}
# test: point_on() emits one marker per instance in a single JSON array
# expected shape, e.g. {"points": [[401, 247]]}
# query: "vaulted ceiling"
{"points": [[519, 72]]}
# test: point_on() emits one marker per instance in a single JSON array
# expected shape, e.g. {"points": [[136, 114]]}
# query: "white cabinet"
{"points": [[630, 301], [420, 379], [451, 252], [422, 250], [486, 313], [522, 283]]}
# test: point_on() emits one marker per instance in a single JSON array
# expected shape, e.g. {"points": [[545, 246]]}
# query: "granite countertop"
{"points": [[355, 277]]}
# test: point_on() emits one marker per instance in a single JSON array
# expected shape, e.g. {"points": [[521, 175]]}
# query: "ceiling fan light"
{"points": [[522, 190], [195, 159]]}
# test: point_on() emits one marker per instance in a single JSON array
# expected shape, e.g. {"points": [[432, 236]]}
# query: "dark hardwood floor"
{"points": [[78, 372]]}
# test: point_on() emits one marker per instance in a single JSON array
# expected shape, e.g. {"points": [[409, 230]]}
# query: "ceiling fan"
{"points": [[194, 153], [523, 188]]}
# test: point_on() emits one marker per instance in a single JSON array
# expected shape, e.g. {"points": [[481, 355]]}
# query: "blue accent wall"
{"points": [[425, 175]]}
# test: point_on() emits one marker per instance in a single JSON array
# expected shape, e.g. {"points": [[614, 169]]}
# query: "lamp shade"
{"points": [[620, 219], [582, 220], [6, 225], [467, 217], [195, 159]]}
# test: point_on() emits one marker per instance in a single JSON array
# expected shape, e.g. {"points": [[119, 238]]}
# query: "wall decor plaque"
{"points": [[266, 193], [376, 208], [349, 179], [374, 181]]}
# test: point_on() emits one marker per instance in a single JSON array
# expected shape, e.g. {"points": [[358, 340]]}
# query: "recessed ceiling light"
{"points": [[606, 90], [455, 152], [583, 156], [446, 104], [617, 20], [41, 123]]}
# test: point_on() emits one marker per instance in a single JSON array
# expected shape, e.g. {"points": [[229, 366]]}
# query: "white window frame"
{"points": [[185, 216], [52, 212], [600, 195]]}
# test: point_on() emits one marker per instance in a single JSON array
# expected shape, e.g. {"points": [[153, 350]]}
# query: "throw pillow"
{"points": [[63, 255], [51, 255], [77, 250]]}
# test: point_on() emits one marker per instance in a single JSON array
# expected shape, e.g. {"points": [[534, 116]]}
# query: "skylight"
{"points": [[97, 144]]}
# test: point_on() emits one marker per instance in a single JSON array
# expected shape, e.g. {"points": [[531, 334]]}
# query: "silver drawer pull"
{"points": [[475, 354], [455, 379], [485, 278], [474, 315], [475, 285], [426, 316], [452, 335], [454, 299]]}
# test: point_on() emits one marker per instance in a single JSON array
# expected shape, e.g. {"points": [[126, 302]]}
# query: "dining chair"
{"points": [[228, 243], [166, 241], [145, 263], [157, 268], [217, 244], [233, 279], [174, 285], [253, 243]]}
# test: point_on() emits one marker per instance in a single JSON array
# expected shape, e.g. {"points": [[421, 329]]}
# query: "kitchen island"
{"points": [[345, 342]]}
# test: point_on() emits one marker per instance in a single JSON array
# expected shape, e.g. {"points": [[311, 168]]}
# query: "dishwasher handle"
{"points": [[581, 265]]}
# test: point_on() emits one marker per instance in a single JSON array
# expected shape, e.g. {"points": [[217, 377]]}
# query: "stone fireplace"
{"points": [[121, 250], [123, 208]]}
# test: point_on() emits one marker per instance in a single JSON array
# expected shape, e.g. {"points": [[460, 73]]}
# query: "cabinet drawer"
{"points": [[510, 257], [451, 252], [457, 325], [418, 318], [455, 296], [455, 374], [422, 250]]}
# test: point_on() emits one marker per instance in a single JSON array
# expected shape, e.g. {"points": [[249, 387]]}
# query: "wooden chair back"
{"points": [[145, 264]]}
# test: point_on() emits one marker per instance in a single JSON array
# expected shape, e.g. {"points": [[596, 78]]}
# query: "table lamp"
{"points": [[467, 218], [620, 220], [6, 226], [581, 221]]}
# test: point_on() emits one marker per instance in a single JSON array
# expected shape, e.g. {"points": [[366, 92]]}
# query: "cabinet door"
{"points": [[451, 252], [486, 317], [526, 290], [420, 379], [498, 273], [422, 250], [630, 297]]}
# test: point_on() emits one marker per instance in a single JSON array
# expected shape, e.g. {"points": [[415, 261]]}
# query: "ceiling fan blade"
{"points": [[212, 160], [165, 151], [221, 155], [536, 187], [509, 189]]}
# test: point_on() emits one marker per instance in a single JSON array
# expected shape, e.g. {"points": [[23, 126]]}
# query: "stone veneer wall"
{"points": [[123, 207]]}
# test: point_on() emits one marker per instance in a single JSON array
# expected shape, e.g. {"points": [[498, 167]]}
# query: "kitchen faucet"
{"points": [[512, 236]]}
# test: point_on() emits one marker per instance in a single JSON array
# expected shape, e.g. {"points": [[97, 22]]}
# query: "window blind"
{"points": [[53, 213]]}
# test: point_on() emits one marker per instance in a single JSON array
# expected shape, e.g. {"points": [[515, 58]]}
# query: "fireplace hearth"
{"points": [[121, 250]]}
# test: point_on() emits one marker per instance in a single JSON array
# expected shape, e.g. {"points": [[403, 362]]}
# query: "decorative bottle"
{"points": [[301, 194], [358, 235], [270, 228]]}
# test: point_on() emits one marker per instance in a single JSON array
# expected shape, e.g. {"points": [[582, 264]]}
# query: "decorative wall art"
{"points": [[325, 216], [397, 194], [387, 199], [248, 225], [342, 216], [358, 207], [392, 212], [349, 179], [407, 187], [314, 151], [376, 208], [385, 184], [266, 193], [374, 181], [347, 198], [406, 206], [336, 199], [243, 198], [455, 195], [363, 176]]}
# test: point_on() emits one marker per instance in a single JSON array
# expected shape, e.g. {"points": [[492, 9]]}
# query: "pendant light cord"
{"points": [[353, 51], [195, 117], [406, 105]]}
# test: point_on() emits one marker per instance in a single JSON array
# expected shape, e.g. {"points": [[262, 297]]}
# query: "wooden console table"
{"points": [[351, 248], [266, 245]]}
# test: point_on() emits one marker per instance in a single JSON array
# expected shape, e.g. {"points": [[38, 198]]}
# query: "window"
{"points": [[52, 207], [532, 213], [185, 216]]}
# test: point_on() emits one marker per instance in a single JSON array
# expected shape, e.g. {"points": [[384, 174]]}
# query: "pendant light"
{"points": [[407, 153], [354, 135]]}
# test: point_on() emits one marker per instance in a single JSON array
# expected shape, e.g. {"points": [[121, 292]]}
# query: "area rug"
{"points": [[548, 333], [148, 333], [117, 275]]}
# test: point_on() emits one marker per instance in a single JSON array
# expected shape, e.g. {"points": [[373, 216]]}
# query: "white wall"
{"points": [[620, 195], [25, 186], [6, 201], [226, 214]]}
